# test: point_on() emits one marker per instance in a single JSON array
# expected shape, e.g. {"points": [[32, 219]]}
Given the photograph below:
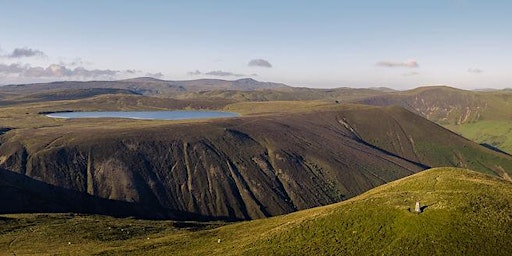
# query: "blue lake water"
{"points": [[150, 115]]}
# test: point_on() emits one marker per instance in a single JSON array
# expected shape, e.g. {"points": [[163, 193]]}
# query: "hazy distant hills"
{"points": [[238, 90], [145, 86]]}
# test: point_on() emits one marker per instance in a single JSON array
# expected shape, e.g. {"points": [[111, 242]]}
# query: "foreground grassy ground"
{"points": [[464, 213]]}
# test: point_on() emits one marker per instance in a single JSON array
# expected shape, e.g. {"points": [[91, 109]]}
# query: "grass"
{"points": [[71, 234], [465, 213], [497, 133], [480, 116]]}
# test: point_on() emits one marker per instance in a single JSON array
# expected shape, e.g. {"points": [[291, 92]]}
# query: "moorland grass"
{"points": [[464, 213], [497, 133]]}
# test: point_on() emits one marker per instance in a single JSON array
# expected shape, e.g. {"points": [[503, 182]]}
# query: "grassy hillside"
{"points": [[482, 116], [464, 213], [497, 133]]}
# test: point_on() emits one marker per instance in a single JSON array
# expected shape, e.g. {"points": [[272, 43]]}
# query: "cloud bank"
{"points": [[394, 64], [153, 75], [219, 73], [14, 71], [259, 63], [410, 74], [25, 52], [56, 71], [475, 70]]}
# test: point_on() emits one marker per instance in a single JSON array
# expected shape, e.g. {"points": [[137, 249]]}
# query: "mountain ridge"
{"points": [[253, 166]]}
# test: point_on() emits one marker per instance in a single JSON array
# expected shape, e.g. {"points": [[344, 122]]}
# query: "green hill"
{"points": [[464, 213], [482, 116]]}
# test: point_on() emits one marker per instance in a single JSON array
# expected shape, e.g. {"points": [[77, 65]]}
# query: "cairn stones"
{"points": [[417, 208]]}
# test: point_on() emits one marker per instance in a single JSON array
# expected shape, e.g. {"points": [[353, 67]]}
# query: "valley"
{"points": [[280, 157], [255, 128]]}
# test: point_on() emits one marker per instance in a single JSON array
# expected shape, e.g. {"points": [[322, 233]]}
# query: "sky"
{"points": [[400, 44]]}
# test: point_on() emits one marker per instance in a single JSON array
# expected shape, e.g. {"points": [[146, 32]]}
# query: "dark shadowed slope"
{"points": [[20, 193]]}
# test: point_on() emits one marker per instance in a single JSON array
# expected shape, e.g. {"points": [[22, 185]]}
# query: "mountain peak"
{"points": [[143, 79]]}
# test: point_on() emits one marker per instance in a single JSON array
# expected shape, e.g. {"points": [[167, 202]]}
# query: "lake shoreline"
{"points": [[145, 115]]}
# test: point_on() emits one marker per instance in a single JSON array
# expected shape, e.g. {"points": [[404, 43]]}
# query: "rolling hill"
{"points": [[143, 86], [463, 213], [202, 89], [482, 116]]}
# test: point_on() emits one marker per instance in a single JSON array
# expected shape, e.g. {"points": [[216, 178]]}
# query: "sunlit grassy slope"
{"points": [[465, 213], [497, 133], [484, 117]]}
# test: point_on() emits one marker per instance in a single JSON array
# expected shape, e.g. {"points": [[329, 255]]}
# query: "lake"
{"points": [[149, 115]]}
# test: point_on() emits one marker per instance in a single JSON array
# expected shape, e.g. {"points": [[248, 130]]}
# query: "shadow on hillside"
{"points": [[422, 209], [493, 148], [22, 194], [392, 154]]}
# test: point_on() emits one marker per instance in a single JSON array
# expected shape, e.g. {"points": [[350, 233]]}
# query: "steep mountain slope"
{"points": [[484, 117], [463, 213], [440, 104], [242, 168]]}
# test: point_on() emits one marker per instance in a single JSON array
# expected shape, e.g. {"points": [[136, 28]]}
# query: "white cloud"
{"points": [[394, 64], [217, 73], [259, 63], [410, 74], [55, 71], [475, 70], [154, 75], [25, 52], [194, 73]]}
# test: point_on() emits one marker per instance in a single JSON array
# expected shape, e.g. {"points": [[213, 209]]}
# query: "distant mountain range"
{"points": [[145, 86]]}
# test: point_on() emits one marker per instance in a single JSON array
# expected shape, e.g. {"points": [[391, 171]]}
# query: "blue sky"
{"points": [[397, 44]]}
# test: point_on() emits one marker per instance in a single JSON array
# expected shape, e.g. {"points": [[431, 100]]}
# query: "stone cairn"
{"points": [[417, 208]]}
